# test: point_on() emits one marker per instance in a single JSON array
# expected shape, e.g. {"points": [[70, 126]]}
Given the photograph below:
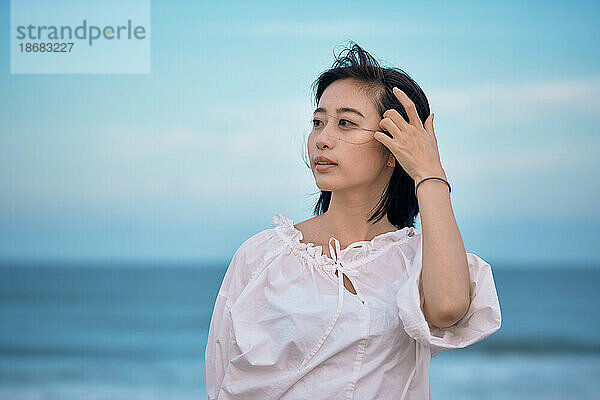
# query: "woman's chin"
{"points": [[322, 185]]}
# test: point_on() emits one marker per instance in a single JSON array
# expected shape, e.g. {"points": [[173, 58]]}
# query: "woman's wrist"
{"points": [[440, 173], [439, 176]]}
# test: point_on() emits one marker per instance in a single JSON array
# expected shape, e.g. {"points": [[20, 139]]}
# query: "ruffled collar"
{"points": [[351, 256]]}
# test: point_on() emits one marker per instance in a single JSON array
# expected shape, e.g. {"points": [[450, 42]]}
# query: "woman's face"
{"points": [[360, 166]]}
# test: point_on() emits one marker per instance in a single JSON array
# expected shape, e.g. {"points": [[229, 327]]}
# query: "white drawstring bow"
{"points": [[341, 271]]}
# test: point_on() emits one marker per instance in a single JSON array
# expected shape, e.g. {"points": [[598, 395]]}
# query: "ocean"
{"points": [[138, 331]]}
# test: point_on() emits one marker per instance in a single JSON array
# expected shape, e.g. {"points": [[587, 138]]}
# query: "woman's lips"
{"points": [[324, 167]]}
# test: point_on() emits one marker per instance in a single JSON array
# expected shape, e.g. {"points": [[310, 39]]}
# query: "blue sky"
{"points": [[187, 162]]}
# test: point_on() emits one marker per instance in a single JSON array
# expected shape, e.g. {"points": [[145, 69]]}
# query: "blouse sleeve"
{"points": [[220, 349], [481, 320], [219, 344]]}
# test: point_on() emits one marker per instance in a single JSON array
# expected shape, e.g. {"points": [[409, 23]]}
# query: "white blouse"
{"points": [[285, 327]]}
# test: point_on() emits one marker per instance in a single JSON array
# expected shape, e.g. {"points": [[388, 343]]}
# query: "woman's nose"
{"points": [[325, 137]]}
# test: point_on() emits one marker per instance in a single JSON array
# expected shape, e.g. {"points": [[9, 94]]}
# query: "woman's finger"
{"points": [[429, 125], [390, 126], [398, 119], [384, 139], [410, 108]]}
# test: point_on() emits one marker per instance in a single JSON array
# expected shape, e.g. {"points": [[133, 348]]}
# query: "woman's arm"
{"points": [[445, 270]]}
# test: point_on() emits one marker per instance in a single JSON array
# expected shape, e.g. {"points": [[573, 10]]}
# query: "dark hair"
{"points": [[399, 200]]}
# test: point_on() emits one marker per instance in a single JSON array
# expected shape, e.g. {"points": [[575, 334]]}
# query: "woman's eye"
{"points": [[316, 122]]}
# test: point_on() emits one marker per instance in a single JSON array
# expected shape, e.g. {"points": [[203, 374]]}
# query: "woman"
{"points": [[354, 302]]}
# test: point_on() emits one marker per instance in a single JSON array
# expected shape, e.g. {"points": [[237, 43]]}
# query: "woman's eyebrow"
{"points": [[340, 110]]}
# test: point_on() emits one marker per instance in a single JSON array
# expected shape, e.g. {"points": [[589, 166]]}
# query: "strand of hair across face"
{"points": [[366, 129]]}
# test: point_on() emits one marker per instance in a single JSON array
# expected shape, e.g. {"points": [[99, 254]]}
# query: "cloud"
{"points": [[501, 126], [524, 162], [507, 103], [261, 154]]}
